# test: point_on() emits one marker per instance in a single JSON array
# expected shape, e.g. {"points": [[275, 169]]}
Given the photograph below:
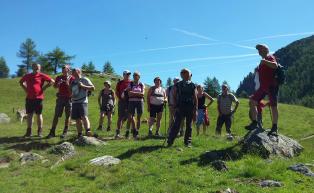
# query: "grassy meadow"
{"points": [[146, 166]]}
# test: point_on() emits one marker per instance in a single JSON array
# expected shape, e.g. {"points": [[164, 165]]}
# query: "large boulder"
{"points": [[4, 118], [65, 149], [106, 160], [83, 141], [257, 141]]}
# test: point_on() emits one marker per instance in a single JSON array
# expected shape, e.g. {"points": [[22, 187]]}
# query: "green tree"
{"points": [[212, 86], [57, 58], [28, 53], [84, 67], [46, 66], [90, 67], [169, 82], [21, 70], [4, 69], [108, 69]]}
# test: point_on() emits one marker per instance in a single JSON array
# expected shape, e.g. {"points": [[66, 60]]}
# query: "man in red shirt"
{"points": [[34, 86], [268, 86], [121, 87], [63, 101]]}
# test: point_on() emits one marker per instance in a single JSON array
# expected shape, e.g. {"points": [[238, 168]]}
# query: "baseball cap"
{"points": [[261, 46], [136, 73], [126, 72], [107, 82]]}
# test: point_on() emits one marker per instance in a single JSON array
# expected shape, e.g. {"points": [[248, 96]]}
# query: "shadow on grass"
{"points": [[143, 149], [15, 139], [34, 145], [228, 154]]}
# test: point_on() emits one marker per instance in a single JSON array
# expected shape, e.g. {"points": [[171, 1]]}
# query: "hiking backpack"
{"points": [[185, 93], [280, 75]]}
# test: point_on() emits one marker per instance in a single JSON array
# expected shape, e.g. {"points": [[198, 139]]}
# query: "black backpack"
{"points": [[280, 74], [185, 93]]}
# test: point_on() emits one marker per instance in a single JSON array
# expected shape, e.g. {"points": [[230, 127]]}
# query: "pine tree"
{"points": [[57, 58], [4, 69], [28, 53], [108, 69]]}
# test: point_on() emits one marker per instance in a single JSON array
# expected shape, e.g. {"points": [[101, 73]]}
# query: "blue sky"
{"points": [[157, 37]]}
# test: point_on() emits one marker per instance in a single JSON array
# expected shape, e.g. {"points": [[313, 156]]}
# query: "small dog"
{"points": [[21, 115]]}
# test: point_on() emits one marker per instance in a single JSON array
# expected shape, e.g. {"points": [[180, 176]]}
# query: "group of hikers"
{"points": [[186, 102]]}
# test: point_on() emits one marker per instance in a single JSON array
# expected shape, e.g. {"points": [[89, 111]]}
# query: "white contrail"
{"points": [[179, 46], [194, 34], [277, 36], [202, 59]]}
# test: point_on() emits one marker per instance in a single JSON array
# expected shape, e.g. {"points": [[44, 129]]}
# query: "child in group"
{"points": [[106, 101]]}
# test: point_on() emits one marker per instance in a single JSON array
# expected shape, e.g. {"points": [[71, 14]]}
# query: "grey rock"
{"points": [[4, 162], [270, 183], [228, 190], [83, 141], [106, 160], [65, 149], [219, 165], [260, 143], [29, 157], [302, 168], [4, 118]]}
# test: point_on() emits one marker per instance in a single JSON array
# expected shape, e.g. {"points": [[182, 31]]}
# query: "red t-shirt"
{"points": [[34, 84], [121, 86], [266, 74], [64, 90]]}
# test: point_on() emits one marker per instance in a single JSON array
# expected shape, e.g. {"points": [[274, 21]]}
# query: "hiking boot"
{"points": [[150, 133], [127, 134], [135, 134], [28, 132], [99, 128], [169, 144], [108, 129], [88, 133], [64, 134], [157, 134], [117, 136], [40, 132], [273, 131], [79, 135], [188, 144], [251, 126], [51, 134]]}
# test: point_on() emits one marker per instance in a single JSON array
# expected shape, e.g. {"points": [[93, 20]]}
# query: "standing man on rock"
{"points": [[63, 102], [268, 86], [80, 87], [34, 86], [121, 87], [186, 104]]}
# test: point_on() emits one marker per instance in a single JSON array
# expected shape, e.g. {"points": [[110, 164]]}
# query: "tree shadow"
{"points": [[29, 146], [151, 138], [228, 154], [140, 150], [15, 139]]}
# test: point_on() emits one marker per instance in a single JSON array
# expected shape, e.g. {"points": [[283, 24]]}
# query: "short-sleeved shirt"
{"points": [[157, 96], [266, 74], [64, 90], [120, 88], [79, 95], [34, 84], [225, 103], [138, 88]]}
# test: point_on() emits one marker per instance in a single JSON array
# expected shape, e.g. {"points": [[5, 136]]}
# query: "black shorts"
{"points": [[79, 110], [123, 109], [34, 106], [106, 108], [155, 109], [136, 106], [63, 104]]}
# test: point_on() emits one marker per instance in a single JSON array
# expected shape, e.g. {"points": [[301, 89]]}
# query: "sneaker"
{"points": [[135, 134], [251, 126], [117, 136], [28, 133], [40, 132], [108, 129], [127, 134], [79, 135]]}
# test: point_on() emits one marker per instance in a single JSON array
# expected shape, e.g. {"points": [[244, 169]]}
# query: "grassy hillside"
{"points": [[145, 166]]}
